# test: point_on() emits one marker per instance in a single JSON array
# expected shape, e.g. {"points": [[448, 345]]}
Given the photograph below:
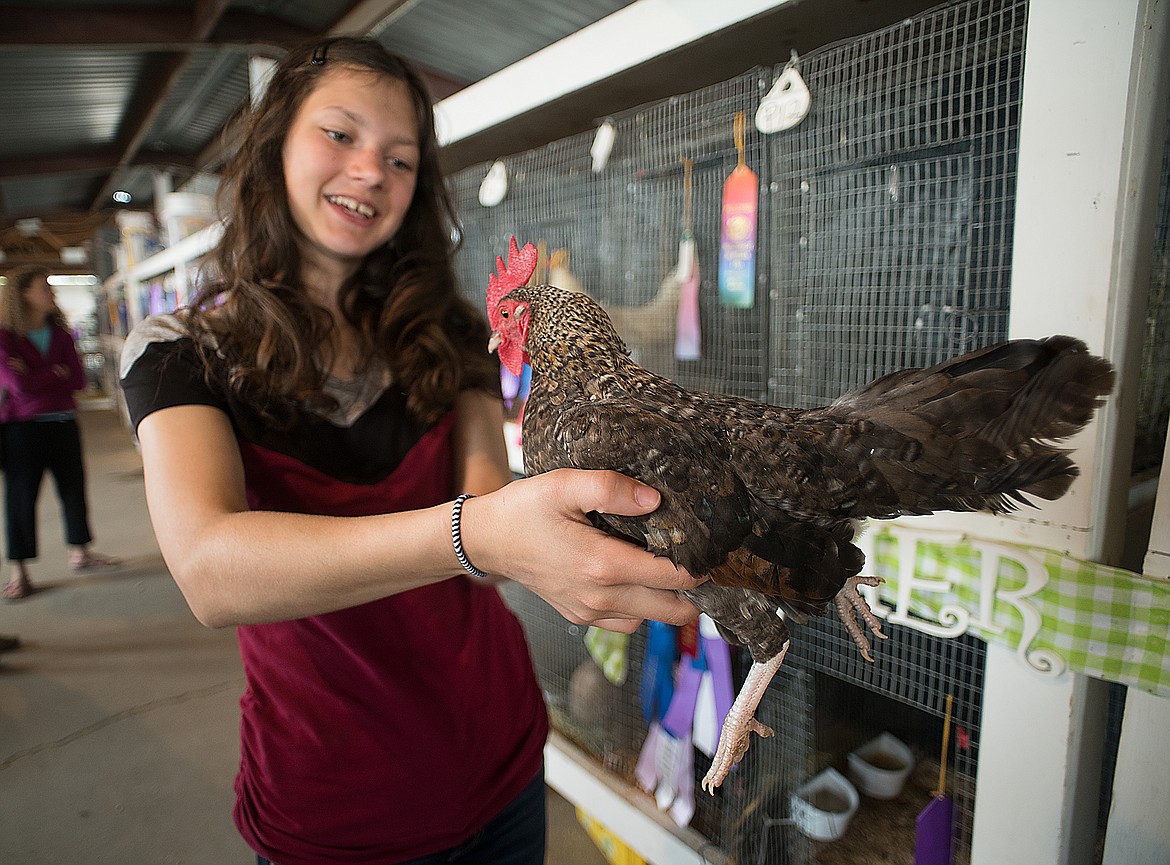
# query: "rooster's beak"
{"points": [[495, 341]]}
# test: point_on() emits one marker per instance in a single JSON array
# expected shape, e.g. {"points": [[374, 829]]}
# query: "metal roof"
{"points": [[102, 96], [99, 96]]}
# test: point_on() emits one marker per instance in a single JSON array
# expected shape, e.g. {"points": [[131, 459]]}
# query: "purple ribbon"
{"points": [[718, 658], [681, 714]]}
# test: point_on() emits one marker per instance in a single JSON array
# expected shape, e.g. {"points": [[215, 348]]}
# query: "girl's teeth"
{"points": [[352, 205]]}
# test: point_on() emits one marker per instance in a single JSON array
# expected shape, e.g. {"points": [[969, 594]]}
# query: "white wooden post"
{"points": [[1139, 825], [1093, 95], [1139, 817]]}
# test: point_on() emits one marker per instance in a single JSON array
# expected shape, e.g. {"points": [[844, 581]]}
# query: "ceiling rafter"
{"points": [[369, 16], [89, 161], [175, 33], [66, 163], [94, 27], [144, 110], [206, 16], [43, 249], [139, 27]]}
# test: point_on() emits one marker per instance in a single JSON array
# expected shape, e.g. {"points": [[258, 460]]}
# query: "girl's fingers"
{"points": [[598, 579], [611, 493]]}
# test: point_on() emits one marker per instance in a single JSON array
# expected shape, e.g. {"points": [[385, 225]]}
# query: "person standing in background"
{"points": [[40, 371]]}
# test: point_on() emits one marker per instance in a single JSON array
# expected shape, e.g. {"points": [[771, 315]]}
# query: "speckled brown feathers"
{"points": [[765, 499]]}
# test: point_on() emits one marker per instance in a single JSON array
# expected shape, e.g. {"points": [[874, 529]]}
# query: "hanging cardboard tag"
{"points": [[786, 104]]}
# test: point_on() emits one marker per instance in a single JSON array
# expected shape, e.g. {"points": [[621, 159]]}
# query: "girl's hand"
{"points": [[17, 365], [536, 532]]}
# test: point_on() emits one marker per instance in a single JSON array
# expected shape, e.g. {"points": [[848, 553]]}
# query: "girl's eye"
{"points": [[337, 136], [395, 162]]}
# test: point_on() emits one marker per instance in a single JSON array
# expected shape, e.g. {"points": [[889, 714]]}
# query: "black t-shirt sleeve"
{"points": [[161, 373], [161, 367]]}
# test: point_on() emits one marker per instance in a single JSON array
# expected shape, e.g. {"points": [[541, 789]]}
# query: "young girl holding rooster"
{"points": [[306, 425]]}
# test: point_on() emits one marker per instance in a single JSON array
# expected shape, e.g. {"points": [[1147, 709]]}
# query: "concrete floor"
{"points": [[119, 716]]}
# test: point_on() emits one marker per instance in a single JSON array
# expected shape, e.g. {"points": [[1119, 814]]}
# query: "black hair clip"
{"points": [[319, 54]]}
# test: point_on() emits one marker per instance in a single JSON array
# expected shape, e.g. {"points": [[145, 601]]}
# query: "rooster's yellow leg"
{"points": [[740, 723], [850, 604]]}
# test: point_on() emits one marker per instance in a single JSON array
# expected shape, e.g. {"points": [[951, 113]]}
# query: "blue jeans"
{"points": [[515, 836]]}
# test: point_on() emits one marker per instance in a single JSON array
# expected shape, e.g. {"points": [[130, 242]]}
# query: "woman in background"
{"points": [[306, 426], [39, 373]]}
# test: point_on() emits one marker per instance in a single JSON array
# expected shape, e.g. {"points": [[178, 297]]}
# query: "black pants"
{"points": [[28, 448], [516, 836]]}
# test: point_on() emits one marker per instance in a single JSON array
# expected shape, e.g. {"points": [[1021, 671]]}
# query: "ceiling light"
{"points": [[29, 227], [122, 196], [74, 255], [72, 279]]}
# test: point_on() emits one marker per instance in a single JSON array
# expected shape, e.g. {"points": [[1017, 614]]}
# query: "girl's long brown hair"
{"points": [[403, 301]]}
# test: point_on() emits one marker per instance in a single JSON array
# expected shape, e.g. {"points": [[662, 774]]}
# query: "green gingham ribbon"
{"points": [[1055, 611], [608, 649]]}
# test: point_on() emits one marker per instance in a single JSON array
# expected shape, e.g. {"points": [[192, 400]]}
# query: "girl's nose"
{"points": [[367, 165]]}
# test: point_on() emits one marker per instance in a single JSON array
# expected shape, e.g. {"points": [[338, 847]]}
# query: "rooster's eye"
{"points": [[503, 313]]}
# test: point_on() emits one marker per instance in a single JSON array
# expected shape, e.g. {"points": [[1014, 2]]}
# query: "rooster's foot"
{"points": [[733, 744], [850, 604], [740, 723]]}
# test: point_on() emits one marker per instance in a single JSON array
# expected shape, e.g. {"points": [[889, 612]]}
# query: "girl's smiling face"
{"points": [[350, 167]]}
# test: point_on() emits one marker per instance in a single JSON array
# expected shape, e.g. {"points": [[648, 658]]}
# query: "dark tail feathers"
{"points": [[997, 413]]}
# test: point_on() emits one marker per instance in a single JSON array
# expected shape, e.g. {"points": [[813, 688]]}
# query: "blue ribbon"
{"points": [[657, 685]]}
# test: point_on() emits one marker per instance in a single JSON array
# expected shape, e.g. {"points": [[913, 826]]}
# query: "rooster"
{"points": [[766, 500]]}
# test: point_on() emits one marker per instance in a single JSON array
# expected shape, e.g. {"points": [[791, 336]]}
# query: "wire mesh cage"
{"points": [[902, 693], [747, 818], [885, 226], [891, 205], [616, 234]]}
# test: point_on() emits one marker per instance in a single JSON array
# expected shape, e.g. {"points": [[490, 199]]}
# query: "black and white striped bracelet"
{"points": [[457, 537]]}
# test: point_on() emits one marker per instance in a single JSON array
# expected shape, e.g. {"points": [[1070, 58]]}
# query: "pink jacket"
{"points": [[38, 390]]}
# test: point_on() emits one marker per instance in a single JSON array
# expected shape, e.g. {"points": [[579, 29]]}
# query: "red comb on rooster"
{"points": [[507, 339], [519, 269]]}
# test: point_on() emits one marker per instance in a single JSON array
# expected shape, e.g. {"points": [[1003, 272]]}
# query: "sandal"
{"points": [[90, 561], [17, 590]]}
